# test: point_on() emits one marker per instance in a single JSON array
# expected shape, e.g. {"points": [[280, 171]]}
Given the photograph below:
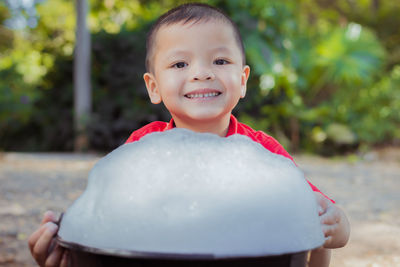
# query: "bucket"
{"points": [[237, 204], [83, 256]]}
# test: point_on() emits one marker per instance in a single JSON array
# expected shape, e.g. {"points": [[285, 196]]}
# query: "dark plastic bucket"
{"points": [[81, 256]]}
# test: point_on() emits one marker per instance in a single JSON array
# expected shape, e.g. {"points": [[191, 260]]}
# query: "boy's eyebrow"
{"points": [[182, 52], [222, 49], [175, 53]]}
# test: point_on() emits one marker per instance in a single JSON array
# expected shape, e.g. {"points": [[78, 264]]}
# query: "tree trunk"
{"points": [[82, 86], [375, 4]]}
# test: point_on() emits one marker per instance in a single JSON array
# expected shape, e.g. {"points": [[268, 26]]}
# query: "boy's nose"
{"points": [[203, 74]]}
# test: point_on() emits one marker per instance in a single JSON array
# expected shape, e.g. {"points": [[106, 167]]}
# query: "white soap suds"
{"points": [[185, 192]]}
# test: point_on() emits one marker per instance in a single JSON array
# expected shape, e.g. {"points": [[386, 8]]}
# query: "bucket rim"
{"points": [[163, 255]]}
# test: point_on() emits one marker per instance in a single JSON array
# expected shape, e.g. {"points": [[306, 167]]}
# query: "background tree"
{"points": [[317, 69], [82, 86]]}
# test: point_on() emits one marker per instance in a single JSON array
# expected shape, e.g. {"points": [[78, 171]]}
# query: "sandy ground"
{"points": [[366, 188], [368, 191]]}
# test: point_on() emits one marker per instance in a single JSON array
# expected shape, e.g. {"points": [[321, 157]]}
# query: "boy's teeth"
{"points": [[202, 95]]}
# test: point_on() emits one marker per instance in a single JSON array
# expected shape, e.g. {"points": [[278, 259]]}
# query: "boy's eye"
{"points": [[179, 65], [220, 62]]}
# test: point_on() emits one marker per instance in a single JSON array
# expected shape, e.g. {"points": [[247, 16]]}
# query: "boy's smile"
{"points": [[203, 94], [197, 73]]}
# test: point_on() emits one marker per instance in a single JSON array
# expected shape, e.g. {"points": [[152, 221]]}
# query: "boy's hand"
{"points": [[334, 223], [43, 246]]}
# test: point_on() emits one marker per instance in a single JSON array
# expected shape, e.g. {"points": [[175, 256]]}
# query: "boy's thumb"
{"points": [[48, 216]]}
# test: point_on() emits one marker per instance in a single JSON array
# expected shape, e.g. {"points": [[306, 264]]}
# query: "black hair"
{"points": [[191, 12]]}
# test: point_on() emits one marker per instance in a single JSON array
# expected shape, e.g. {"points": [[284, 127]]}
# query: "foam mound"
{"points": [[183, 192]]}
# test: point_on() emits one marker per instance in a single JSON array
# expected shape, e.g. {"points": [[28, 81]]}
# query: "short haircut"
{"points": [[191, 12]]}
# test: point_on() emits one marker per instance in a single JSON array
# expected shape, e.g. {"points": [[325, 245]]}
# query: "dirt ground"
{"points": [[366, 187]]}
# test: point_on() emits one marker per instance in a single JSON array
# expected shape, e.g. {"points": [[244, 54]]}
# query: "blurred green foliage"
{"points": [[325, 75]]}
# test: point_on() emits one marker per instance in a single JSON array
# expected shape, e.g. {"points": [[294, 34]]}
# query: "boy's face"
{"points": [[197, 71]]}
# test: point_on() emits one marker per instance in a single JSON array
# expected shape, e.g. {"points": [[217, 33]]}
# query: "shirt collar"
{"points": [[233, 126], [232, 129], [170, 124]]}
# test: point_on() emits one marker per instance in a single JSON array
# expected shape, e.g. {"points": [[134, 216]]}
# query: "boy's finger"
{"points": [[35, 236], [327, 219], [55, 256], [40, 250], [48, 216], [328, 240], [64, 259], [323, 203], [320, 210], [331, 216], [329, 230]]}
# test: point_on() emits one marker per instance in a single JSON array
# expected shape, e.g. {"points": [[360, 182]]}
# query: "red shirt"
{"points": [[235, 127]]}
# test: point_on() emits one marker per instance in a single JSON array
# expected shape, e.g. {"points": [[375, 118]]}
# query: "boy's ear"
{"points": [[244, 78], [152, 88]]}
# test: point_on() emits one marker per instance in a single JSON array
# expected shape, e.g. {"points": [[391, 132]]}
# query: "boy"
{"points": [[196, 67]]}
